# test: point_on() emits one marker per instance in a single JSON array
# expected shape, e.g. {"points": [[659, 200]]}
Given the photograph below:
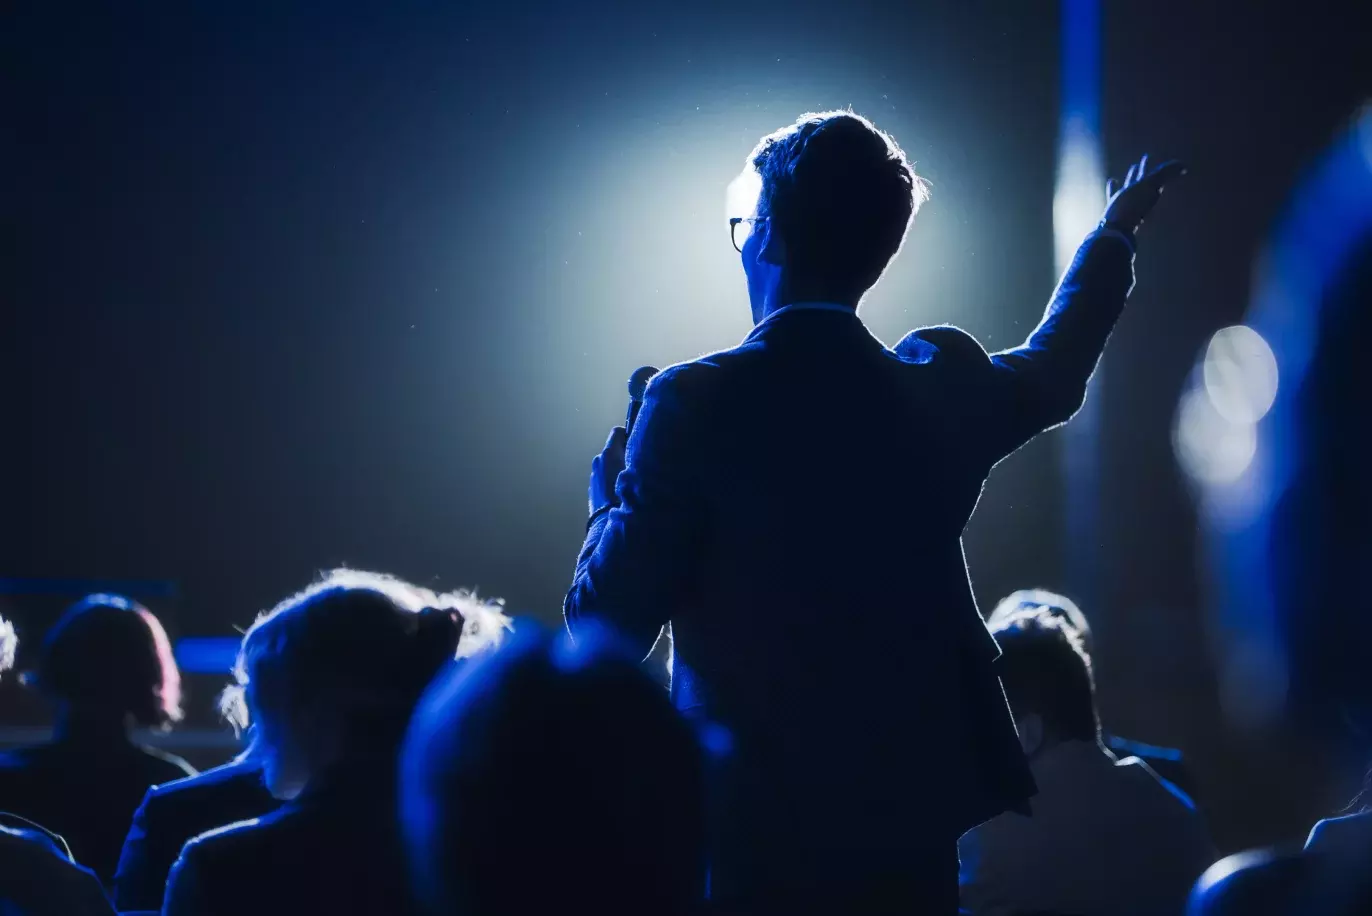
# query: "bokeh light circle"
{"points": [[1212, 448], [1240, 374]]}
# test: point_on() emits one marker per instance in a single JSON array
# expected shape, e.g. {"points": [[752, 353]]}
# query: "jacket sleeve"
{"points": [[1011, 396], [185, 892], [639, 559], [138, 881]]}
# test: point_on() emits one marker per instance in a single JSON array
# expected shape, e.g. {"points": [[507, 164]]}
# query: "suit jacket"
{"points": [[794, 506], [334, 849], [86, 791], [1107, 837], [176, 812]]}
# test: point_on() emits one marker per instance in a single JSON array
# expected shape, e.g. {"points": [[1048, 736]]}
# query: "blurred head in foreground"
{"points": [[553, 777], [334, 672], [108, 660]]}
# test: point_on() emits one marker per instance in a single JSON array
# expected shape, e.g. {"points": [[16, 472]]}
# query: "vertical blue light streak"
{"points": [[1077, 203]]}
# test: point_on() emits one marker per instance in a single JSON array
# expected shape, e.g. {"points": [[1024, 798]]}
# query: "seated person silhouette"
{"points": [[174, 813], [1104, 837], [37, 875], [1329, 877], [1167, 762], [553, 777], [106, 666], [330, 677]]}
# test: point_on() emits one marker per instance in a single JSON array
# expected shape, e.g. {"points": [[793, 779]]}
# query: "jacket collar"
{"points": [[773, 318]]}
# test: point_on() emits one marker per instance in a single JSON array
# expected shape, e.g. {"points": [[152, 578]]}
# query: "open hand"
{"points": [[1128, 204]]}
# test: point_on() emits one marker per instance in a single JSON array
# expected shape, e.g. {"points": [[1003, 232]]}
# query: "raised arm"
{"points": [[644, 538], [1014, 395]]}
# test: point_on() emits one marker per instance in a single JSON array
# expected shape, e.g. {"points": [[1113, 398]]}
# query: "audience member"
{"points": [[1329, 877], [106, 666], [1105, 837], [330, 677], [37, 876], [747, 516], [553, 778], [1167, 762], [175, 813]]}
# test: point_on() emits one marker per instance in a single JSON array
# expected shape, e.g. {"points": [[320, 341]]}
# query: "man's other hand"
{"points": [[605, 471], [1128, 204]]}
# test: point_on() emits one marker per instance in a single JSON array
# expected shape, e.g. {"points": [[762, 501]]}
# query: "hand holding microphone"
{"points": [[607, 465]]}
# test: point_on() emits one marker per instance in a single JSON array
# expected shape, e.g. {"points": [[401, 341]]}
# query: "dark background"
{"points": [[295, 285]]}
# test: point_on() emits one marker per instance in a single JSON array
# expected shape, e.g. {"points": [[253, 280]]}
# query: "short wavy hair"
{"points": [[841, 193], [110, 652], [370, 642], [1045, 670]]}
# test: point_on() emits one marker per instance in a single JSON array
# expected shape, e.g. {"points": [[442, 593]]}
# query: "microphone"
{"points": [[638, 383]]}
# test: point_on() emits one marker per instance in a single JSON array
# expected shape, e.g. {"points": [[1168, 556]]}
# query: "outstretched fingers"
{"points": [[1168, 171]]}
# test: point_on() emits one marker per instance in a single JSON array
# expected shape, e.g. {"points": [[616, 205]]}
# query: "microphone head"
{"points": [[638, 382]]}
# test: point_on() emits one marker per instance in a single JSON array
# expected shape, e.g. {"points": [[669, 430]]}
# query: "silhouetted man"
{"points": [[794, 506], [1106, 837], [1167, 762]]}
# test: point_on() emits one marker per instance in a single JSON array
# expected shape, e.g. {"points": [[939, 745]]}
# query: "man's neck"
{"points": [[806, 305]]}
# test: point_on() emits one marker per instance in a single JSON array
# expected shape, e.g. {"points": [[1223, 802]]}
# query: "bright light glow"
{"points": [[1212, 448], [1240, 374], [1079, 197], [741, 197]]}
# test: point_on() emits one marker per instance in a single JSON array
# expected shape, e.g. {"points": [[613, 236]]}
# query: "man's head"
{"points": [[836, 197], [1047, 678]]}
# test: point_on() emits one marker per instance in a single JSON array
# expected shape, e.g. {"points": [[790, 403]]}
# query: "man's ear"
{"points": [[1030, 728], [773, 250]]}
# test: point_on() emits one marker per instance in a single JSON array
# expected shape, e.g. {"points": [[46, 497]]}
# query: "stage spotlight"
{"points": [[740, 200], [1080, 194]]}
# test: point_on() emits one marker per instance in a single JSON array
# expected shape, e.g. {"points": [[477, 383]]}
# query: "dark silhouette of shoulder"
{"points": [[942, 342], [176, 812], [37, 878], [338, 857], [87, 794]]}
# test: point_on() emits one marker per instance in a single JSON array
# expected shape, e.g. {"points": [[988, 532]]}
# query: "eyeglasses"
{"points": [[739, 237]]}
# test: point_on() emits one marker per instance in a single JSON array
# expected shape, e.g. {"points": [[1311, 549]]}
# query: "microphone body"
{"points": [[638, 383]]}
